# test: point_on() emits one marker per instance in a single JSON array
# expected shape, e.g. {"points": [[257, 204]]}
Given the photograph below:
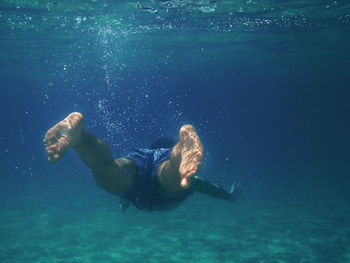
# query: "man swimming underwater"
{"points": [[151, 179]]}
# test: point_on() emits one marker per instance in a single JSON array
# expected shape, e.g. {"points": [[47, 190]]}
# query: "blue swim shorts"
{"points": [[144, 193]]}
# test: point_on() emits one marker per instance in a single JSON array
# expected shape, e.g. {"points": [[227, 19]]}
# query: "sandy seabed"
{"points": [[200, 230]]}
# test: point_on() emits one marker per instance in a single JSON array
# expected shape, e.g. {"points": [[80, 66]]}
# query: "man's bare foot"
{"points": [[191, 151], [63, 136]]}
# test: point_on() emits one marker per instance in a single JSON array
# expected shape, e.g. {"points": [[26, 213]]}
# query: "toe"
{"points": [[185, 183]]}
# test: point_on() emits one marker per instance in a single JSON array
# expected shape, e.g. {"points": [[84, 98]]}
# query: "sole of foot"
{"points": [[63, 136], [191, 150]]}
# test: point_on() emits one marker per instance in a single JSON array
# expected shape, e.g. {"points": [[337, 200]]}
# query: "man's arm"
{"points": [[205, 187]]}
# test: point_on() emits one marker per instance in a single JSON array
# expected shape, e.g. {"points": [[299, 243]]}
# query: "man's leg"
{"points": [[114, 176], [174, 175]]}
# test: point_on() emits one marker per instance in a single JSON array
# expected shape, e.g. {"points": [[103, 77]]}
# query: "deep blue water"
{"points": [[266, 85]]}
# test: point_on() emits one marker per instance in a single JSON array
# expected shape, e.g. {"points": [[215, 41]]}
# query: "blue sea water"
{"points": [[265, 83]]}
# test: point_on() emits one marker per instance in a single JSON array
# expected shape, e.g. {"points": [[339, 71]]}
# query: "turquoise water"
{"points": [[265, 83]]}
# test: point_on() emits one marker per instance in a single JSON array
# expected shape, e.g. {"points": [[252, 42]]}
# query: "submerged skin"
{"points": [[116, 176]]}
